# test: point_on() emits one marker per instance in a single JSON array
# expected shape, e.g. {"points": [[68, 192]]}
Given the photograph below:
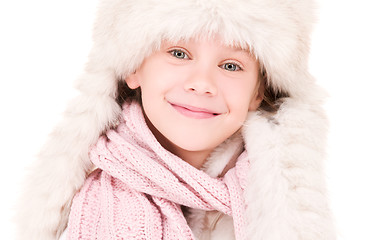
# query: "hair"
{"points": [[125, 93], [271, 98]]}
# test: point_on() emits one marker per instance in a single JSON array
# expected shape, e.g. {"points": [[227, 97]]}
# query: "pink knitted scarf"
{"points": [[139, 187]]}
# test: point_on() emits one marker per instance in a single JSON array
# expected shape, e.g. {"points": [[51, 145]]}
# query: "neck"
{"points": [[196, 159]]}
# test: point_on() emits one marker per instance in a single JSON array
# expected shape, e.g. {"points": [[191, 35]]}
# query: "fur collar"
{"points": [[287, 196]]}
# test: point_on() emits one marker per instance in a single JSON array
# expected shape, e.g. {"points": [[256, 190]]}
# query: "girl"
{"points": [[196, 120]]}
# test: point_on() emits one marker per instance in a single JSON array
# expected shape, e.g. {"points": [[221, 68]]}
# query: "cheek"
{"points": [[159, 79], [239, 95]]}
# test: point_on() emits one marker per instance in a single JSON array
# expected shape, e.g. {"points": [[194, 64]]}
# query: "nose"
{"points": [[201, 83]]}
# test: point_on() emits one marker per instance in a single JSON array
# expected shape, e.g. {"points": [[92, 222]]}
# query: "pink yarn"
{"points": [[139, 187]]}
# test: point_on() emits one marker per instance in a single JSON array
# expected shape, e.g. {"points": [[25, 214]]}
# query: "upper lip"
{"points": [[195, 109]]}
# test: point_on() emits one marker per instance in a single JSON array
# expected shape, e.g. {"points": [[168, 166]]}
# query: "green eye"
{"points": [[179, 54], [231, 67]]}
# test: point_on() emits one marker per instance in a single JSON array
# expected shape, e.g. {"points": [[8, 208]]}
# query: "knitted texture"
{"points": [[139, 187]]}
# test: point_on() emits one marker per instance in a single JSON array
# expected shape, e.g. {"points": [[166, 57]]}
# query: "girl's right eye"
{"points": [[179, 54]]}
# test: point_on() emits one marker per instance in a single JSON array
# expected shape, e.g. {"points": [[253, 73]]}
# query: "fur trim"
{"points": [[61, 168], [277, 32], [287, 197], [285, 150]]}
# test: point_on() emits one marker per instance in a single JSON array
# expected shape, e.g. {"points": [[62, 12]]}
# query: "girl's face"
{"points": [[196, 94]]}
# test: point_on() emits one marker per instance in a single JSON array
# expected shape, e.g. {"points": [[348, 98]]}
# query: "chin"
{"points": [[195, 146]]}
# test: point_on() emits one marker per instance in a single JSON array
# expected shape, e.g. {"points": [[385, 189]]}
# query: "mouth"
{"points": [[194, 112]]}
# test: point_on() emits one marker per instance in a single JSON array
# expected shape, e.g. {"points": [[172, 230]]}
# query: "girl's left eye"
{"points": [[231, 67], [179, 54]]}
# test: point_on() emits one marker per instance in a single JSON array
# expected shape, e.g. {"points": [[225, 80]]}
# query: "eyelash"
{"points": [[236, 65], [174, 51]]}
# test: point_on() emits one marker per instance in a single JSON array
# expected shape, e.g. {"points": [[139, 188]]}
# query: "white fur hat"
{"points": [[126, 31]]}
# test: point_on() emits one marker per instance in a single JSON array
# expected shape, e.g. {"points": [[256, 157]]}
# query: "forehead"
{"points": [[213, 42]]}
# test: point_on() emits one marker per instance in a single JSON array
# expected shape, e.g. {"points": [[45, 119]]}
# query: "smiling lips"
{"points": [[194, 112]]}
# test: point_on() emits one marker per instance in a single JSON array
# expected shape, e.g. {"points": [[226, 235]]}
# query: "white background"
{"points": [[44, 44]]}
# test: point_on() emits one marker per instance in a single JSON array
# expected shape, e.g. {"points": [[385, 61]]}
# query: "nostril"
{"points": [[200, 90]]}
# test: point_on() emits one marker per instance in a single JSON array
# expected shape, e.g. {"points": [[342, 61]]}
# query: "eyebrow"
{"points": [[235, 48], [238, 49]]}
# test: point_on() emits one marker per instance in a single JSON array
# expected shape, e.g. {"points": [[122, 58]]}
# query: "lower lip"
{"points": [[193, 114]]}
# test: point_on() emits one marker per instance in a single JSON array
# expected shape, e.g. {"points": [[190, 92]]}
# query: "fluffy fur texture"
{"points": [[286, 198]]}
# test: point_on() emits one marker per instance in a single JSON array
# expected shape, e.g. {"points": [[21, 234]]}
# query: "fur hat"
{"points": [[288, 155]]}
